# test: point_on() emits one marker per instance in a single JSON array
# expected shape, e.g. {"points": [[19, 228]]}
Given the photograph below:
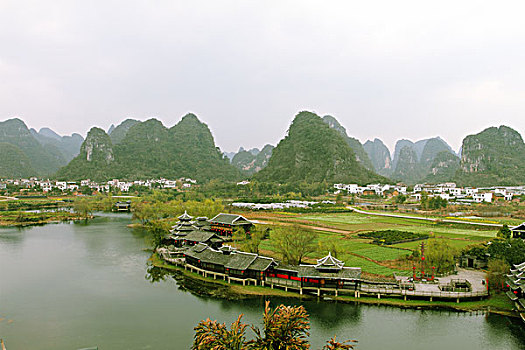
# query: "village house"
{"points": [[482, 197], [72, 186], [469, 191]]}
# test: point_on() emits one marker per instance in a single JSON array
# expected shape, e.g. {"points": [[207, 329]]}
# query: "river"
{"points": [[69, 286]]}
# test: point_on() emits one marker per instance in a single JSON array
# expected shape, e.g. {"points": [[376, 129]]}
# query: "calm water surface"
{"points": [[68, 286]]}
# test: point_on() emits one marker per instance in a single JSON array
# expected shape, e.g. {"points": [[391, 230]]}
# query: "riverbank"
{"points": [[497, 304], [23, 218]]}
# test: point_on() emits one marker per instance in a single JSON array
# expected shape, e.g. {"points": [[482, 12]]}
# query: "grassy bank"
{"points": [[21, 218]]}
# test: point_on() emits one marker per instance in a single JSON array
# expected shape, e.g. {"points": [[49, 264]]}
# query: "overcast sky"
{"points": [[386, 69]]}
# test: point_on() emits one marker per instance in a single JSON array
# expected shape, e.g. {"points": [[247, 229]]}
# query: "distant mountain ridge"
{"points": [[118, 133], [379, 156], [150, 150], [252, 161], [26, 155], [69, 146]]}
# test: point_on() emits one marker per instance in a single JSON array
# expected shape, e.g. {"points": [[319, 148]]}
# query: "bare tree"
{"points": [[293, 243]]}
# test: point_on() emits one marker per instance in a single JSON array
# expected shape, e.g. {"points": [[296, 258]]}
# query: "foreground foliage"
{"points": [[285, 327]]}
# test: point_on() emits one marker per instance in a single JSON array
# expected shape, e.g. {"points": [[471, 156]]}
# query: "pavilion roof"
{"points": [[234, 260], [230, 219], [519, 228], [261, 263], [185, 217], [311, 271], [202, 236], [519, 267], [329, 262], [240, 260], [206, 254]]}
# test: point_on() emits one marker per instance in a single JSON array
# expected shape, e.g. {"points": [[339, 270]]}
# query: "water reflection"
{"points": [[156, 274], [329, 314]]}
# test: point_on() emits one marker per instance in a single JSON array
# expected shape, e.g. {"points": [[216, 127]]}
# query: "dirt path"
{"points": [[317, 228]]}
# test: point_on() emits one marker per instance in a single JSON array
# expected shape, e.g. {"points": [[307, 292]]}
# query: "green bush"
{"points": [[392, 236]]}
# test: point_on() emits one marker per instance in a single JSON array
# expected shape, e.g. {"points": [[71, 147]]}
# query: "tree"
{"points": [[505, 232], [249, 242], [330, 246], [142, 212], [497, 270], [83, 207], [211, 335], [285, 327], [400, 199], [293, 243], [440, 255], [158, 229], [433, 203], [510, 250]]}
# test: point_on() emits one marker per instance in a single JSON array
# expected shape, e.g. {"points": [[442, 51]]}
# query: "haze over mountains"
{"points": [[316, 149]]}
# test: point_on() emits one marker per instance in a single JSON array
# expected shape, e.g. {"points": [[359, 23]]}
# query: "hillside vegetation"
{"points": [[150, 150], [495, 156], [314, 152]]}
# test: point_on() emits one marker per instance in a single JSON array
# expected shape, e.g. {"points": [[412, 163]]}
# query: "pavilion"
{"points": [[518, 231]]}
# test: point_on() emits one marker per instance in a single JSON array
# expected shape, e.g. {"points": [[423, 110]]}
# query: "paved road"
{"points": [[422, 218], [476, 278]]}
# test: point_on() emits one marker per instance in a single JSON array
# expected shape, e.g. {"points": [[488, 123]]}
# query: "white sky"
{"points": [[386, 69]]}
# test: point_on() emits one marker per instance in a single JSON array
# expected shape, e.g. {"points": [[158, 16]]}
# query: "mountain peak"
{"points": [[360, 154], [493, 157], [379, 156], [47, 132], [312, 151], [15, 123], [190, 117]]}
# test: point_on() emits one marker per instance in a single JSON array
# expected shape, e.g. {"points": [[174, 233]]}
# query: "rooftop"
{"points": [[329, 262], [230, 219], [185, 217]]}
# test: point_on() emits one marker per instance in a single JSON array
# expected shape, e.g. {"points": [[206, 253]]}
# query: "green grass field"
{"points": [[383, 253], [355, 251]]}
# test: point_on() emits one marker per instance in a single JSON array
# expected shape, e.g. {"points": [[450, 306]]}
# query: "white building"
{"points": [[482, 197], [469, 191]]}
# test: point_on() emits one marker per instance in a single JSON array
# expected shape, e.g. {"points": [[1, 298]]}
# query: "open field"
{"points": [[343, 228]]}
